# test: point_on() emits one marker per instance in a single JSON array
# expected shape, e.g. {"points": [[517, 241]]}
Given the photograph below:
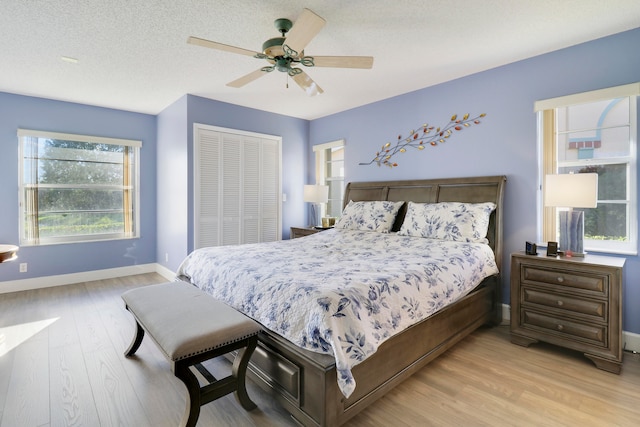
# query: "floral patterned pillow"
{"points": [[459, 222], [369, 216]]}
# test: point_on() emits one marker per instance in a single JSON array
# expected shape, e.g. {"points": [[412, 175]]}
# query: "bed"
{"points": [[327, 389]]}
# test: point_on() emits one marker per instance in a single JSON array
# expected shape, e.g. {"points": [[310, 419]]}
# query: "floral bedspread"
{"points": [[340, 292]]}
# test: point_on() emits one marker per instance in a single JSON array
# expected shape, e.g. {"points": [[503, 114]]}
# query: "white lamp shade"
{"points": [[579, 190], [316, 193]]}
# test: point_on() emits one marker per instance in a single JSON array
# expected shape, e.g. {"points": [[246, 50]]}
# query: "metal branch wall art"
{"points": [[419, 139]]}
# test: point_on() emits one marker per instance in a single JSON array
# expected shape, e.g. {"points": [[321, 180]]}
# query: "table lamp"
{"points": [[578, 190], [316, 194]]}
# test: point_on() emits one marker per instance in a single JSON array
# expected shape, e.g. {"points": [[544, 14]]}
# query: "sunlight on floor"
{"points": [[13, 336]]}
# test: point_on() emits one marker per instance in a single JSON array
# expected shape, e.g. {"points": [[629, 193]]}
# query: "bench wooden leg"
{"points": [[239, 371], [136, 341], [192, 410], [198, 396]]}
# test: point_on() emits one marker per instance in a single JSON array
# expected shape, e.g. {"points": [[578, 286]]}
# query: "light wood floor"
{"points": [[61, 364]]}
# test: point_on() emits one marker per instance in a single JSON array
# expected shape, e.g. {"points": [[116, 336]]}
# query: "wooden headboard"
{"points": [[470, 190]]}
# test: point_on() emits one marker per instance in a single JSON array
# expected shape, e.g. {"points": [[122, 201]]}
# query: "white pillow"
{"points": [[456, 221], [369, 216]]}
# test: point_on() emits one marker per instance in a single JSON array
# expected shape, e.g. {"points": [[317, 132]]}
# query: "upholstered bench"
{"points": [[191, 327]]}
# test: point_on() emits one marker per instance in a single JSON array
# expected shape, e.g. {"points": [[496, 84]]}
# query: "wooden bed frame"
{"points": [[305, 382]]}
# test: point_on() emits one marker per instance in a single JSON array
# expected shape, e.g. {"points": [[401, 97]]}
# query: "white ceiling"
{"points": [[132, 54]]}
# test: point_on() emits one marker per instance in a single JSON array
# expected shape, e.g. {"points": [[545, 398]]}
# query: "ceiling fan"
{"points": [[286, 52]]}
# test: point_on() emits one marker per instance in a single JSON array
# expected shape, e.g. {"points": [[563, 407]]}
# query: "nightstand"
{"points": [[570, 302], [303, 231]]}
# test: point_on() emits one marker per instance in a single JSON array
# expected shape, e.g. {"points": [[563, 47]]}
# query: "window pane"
{"points": [[336, 153], [593, 115], [604, 143], [336, 195], [335, 169], [78, 199], [612, 179], [606, 222], [80, 223]]}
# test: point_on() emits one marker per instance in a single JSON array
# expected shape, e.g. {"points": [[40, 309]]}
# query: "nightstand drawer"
{"points": [[567, 329], [588, 282], [593, 308]]}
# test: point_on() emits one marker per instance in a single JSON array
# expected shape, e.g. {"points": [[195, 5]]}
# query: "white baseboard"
{"points": [[506, 314], [165, 272], [85, 276], [630, 341]]}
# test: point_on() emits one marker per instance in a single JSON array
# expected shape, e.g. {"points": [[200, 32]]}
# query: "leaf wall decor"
{"points": [[424, 136]]}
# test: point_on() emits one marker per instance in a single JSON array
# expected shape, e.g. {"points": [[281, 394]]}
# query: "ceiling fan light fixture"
{"points": [[283, 64]]}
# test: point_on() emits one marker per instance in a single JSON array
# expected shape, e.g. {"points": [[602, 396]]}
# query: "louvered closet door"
{"points": [[231, 168], [270, 198], [206, 183], [238, 188]]}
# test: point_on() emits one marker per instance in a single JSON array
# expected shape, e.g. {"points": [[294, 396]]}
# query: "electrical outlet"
{"points": [[23, 267], [166, 257]]}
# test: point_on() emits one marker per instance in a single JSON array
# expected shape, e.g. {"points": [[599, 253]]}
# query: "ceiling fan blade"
{"points": [[254, 75], [220, 46], [307, 84], [305, 28], [343, 61]]}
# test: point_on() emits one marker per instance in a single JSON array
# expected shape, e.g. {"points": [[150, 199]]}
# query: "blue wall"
{"points": [[42, 114], [505, 142]]}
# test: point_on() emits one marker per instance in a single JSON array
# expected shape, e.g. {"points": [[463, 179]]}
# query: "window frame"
{"points": [[131, 173], [548, 164], [321, 161]]}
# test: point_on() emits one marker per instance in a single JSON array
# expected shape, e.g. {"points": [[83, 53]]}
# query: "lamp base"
{"points": [[572, 233], [315, 215]]}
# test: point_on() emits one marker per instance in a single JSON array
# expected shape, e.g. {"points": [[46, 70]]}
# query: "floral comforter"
{"points": [[340, 292]]}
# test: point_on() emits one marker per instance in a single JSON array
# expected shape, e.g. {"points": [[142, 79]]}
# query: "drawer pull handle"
{"points": [[560, 303], [560, 327], [560, 279]]}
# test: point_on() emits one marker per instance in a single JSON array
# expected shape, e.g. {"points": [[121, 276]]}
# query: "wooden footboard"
{"points": [[305, 382]]}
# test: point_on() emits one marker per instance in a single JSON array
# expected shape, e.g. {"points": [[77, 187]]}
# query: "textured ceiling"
{"points": [[133, 55]]}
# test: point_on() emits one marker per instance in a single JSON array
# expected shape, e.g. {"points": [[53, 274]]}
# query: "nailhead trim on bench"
{"points": [[217, 346]]}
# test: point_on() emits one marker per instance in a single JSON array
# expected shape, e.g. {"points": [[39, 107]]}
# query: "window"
{"points": [[330, 171], [76, 188], [595, 132]]}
